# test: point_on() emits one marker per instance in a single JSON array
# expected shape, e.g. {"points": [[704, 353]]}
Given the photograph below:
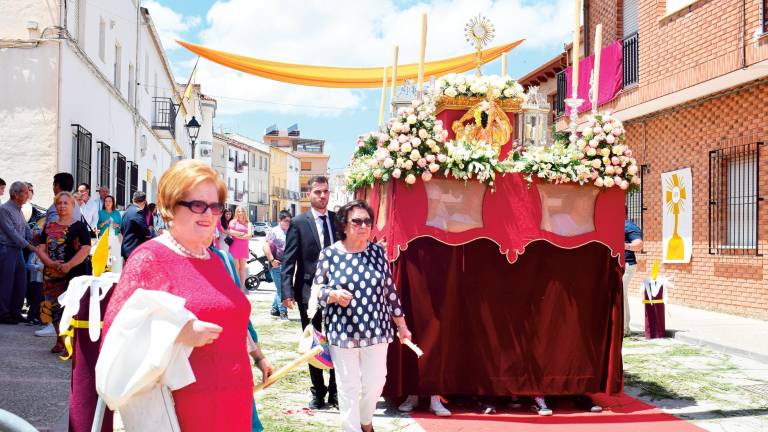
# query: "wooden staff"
{"points": [[288, 368], [394, 80]]}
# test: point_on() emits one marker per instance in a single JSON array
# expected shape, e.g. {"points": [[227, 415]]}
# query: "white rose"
{"points": [[451, 92], [605, 152], [423, 134], [408, 165], [412, 119], [406, 148], [396, 173], [462, 88], [508, 93]]}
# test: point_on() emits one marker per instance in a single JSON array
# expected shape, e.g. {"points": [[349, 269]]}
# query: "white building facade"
{"points": [[337, 183], [87, 89]]}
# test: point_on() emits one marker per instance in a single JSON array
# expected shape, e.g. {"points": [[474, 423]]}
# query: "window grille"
{"points": [[630, 60], [104, 163], [81, 149], [635, 202], [562, 89], [120, 175], [134, 179], [734, 197]]}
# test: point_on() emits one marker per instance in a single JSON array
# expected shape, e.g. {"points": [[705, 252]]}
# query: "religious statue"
{"points": [[487, 122]]}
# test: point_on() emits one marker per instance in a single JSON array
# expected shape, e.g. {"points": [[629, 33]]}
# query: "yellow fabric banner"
{"points": [[100, 256], [341, 77]]}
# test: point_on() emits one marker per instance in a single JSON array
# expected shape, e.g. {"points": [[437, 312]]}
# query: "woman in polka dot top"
{"points": [[358, 297]]}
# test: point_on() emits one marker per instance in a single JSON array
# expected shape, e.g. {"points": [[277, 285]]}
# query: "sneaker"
{"points": [[47, 331], [34, 322], [409, 404], [487, 408], [274, 312], [540, 407], [437, 407], [284, 317]]}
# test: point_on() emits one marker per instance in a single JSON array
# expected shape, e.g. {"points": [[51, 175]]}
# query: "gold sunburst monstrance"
{"points": [[479, 31]]}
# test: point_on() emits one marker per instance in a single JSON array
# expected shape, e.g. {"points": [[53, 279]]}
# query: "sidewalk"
{"points": [[730, 334]]}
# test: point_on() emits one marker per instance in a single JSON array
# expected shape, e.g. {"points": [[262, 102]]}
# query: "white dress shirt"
{"points": [[319, 224], [90, 212]]}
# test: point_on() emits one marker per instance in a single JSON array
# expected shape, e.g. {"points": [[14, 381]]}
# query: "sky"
{"points": [[338, 33]]}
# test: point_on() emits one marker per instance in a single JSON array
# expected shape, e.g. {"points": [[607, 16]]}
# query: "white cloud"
{"points": [[170, 24], [346, 33]]}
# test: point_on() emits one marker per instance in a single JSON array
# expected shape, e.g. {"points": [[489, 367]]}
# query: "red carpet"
{"points": [[620, 413]]}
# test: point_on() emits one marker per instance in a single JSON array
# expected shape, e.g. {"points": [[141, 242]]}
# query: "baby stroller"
{"points": [[263, 275]]}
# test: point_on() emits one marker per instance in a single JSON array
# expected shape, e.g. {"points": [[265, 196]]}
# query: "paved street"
{"points": [[714, 390]]}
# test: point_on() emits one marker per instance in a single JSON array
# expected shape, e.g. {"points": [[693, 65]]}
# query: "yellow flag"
{"points": [[188, 90], [100, 256], [655, 270]]}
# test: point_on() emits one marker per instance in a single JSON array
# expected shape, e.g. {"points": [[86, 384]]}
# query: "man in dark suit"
{"points": [[134, 226], [307, 235]]}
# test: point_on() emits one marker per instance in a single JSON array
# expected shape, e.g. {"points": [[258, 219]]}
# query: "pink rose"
{"points": [[408, 165], [628, 153], [442, 158], [377, 173], [609, 170], [388, 163], [426, 176], [632, 170], [393, 146], [624, 185], [615, 160], [599, 182], [415, 142], [594, 175], [430, 158], [433, 167], [617, 180], [396, 173], [617, 170], [636, 180], [421, 162], [608, 182], [402, 139], [593, 143]]}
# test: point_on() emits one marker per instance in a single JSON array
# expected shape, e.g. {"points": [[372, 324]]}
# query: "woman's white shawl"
{"points": [[140, 361]]}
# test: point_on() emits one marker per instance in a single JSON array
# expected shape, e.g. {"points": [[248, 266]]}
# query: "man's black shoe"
{"points": [[333, 401], [316, 404], [274, 312]]}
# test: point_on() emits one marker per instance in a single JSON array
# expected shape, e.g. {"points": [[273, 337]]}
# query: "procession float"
{"points": [[506, 243]]}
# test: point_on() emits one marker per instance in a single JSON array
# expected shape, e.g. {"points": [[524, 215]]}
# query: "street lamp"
{"points": [[193, 129]]}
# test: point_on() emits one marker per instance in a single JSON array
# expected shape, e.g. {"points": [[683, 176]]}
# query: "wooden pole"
{"points": [[383, 98], [596, 70], [422, 50], [394, 81]]}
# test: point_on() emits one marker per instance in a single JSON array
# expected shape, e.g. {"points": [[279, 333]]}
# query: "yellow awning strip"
{"points": [[341, 77]]}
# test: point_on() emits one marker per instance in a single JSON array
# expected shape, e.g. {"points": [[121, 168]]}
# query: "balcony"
{"points": [[164, 118], [630, 59]]}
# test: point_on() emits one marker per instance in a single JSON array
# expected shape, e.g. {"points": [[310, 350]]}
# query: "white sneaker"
{"points": [[596, 409], [409, 404], [541, 407], [437, 407], [47, 331]]}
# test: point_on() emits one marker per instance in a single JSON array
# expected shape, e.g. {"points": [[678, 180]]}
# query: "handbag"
{"points": [[229, 240]]}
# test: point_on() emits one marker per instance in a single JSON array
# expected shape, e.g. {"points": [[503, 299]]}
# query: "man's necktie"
{"points": [[326, 233]]}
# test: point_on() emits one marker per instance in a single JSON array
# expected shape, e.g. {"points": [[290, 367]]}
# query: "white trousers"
{"points": [[360, 377], [629, 271]]}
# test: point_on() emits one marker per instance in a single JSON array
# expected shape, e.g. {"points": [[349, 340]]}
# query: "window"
{"points": [[102, 38], [734, 193], [134, 179], [131, 84], [562, 90], [630, 60], [104, 155], [118, 61], [635, 204], [765, 16], [81, 149], [120, 175], [306, 166]]}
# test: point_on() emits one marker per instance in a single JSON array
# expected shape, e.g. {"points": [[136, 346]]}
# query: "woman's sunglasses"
{"points": [[360, 222], [200, 207]]}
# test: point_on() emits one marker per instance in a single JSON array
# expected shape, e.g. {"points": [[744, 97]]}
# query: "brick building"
{"points": [[695, 94]]}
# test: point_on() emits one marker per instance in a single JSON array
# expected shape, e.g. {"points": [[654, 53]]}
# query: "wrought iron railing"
{"points": [[81, 149], [165, 115], [630, 60], [562, 90]]}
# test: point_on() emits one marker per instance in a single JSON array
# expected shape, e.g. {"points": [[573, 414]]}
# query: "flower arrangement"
{"points": [[456, 85], [411, 149], [558, 163], [478, 159], [602, 150]]}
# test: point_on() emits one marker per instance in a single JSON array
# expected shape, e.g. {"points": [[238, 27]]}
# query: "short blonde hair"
{"points": [[180, 179], [64, 193]]}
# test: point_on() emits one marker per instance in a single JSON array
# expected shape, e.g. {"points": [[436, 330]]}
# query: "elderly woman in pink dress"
{"points": [[241, 231]]}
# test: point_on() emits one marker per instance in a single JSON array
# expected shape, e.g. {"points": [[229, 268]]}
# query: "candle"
{"points": [[596, 70], [383, 97], [504, 64], [394, 80], [575, 50], [420, 82]]}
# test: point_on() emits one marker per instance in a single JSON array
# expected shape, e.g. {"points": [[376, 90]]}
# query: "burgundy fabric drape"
{"points": [[611, 81], [83, 396], [551, 323]]}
